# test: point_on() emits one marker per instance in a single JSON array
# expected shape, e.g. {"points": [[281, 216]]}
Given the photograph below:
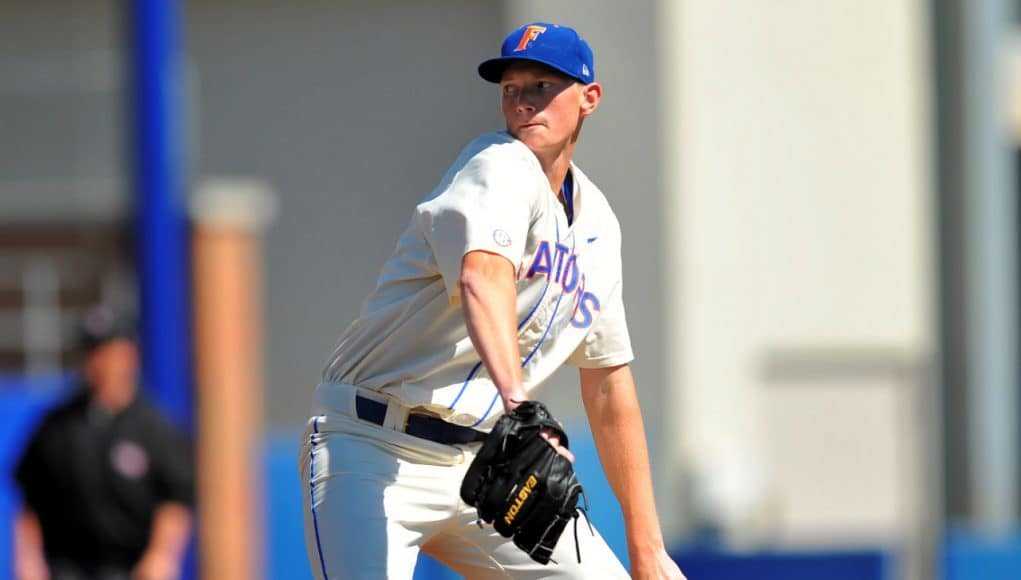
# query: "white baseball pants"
{"points": [[374, 497]]}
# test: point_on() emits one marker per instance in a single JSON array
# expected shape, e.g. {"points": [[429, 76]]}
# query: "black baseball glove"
{"points": [[521, 485]]}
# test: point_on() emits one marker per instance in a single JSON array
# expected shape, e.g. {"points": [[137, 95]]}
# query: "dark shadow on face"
{"points": [[537, 68], [530, 96], [540, 101]]}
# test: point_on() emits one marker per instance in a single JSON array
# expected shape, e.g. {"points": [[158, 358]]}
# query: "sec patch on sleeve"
{"points": [[502, 238]]}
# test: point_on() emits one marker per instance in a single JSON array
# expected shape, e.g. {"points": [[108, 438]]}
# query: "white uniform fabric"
{"points": [[375, 496], [410, 340]]}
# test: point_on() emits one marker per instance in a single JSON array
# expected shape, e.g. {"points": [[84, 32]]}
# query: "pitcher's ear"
{"points": [[591, 94]]}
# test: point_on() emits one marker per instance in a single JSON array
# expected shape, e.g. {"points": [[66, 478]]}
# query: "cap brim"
{"points": [[492, 69]]}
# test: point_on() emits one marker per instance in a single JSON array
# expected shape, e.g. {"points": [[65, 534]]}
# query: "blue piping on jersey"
{"points": [[552, 319], [464, 386], [535, 306], [475, 369], [312, 493], [535, 349], [521, 325]]}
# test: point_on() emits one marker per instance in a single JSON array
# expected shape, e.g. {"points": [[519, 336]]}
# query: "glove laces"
{"points": [[583, 511]]}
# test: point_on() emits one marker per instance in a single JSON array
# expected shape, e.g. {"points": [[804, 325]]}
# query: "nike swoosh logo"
{"points": [[592, 239]]}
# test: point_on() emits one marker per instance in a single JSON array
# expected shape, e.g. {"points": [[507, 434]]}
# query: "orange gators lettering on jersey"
{"points": [[531, 33], [521, 499]]}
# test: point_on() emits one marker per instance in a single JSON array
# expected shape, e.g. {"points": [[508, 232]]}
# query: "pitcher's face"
{"points": [[543, 108]]}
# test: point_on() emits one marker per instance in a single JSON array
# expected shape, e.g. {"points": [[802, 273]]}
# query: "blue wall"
{"points": [[840, 565], [971, 556]]}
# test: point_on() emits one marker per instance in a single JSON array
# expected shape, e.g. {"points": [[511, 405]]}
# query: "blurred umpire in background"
{"points": [[107, 481]]}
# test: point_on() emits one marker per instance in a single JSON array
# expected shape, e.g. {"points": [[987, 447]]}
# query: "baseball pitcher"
{"points": [[425, 434]]}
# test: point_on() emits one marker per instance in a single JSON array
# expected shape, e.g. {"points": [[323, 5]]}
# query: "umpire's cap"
{"points": [[558, 47], [100, 324]]}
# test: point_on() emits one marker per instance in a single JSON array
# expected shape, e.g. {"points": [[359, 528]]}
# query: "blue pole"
{"points": [[159, 181], [160, 170]]}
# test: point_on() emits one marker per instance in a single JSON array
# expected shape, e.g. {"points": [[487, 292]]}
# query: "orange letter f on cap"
{"points": [[532, 31]]}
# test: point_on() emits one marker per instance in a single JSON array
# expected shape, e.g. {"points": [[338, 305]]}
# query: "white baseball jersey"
{"points": [[410, 340]]}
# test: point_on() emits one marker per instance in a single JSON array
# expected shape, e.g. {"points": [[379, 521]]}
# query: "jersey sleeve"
{"points": [[487, 206], [608, 342]]}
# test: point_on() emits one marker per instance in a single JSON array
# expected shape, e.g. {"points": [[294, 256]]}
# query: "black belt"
{"points": [[423, 426]]}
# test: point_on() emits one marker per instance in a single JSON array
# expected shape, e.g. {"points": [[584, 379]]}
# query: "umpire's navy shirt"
{"points": [[94, 479]]}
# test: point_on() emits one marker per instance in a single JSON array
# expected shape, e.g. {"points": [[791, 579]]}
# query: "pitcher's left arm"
{"points": [[611, 404]]}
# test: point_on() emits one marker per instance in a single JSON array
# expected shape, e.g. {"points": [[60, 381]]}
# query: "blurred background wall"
{"points": [[351, 111], [818, 200], [802, 196]]}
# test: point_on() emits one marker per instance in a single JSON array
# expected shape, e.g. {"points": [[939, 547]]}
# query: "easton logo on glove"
{"points": [[522, 498], [520, 484]]}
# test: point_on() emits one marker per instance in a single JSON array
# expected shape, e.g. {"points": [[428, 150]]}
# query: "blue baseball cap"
{"points": [[558, 47]]}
